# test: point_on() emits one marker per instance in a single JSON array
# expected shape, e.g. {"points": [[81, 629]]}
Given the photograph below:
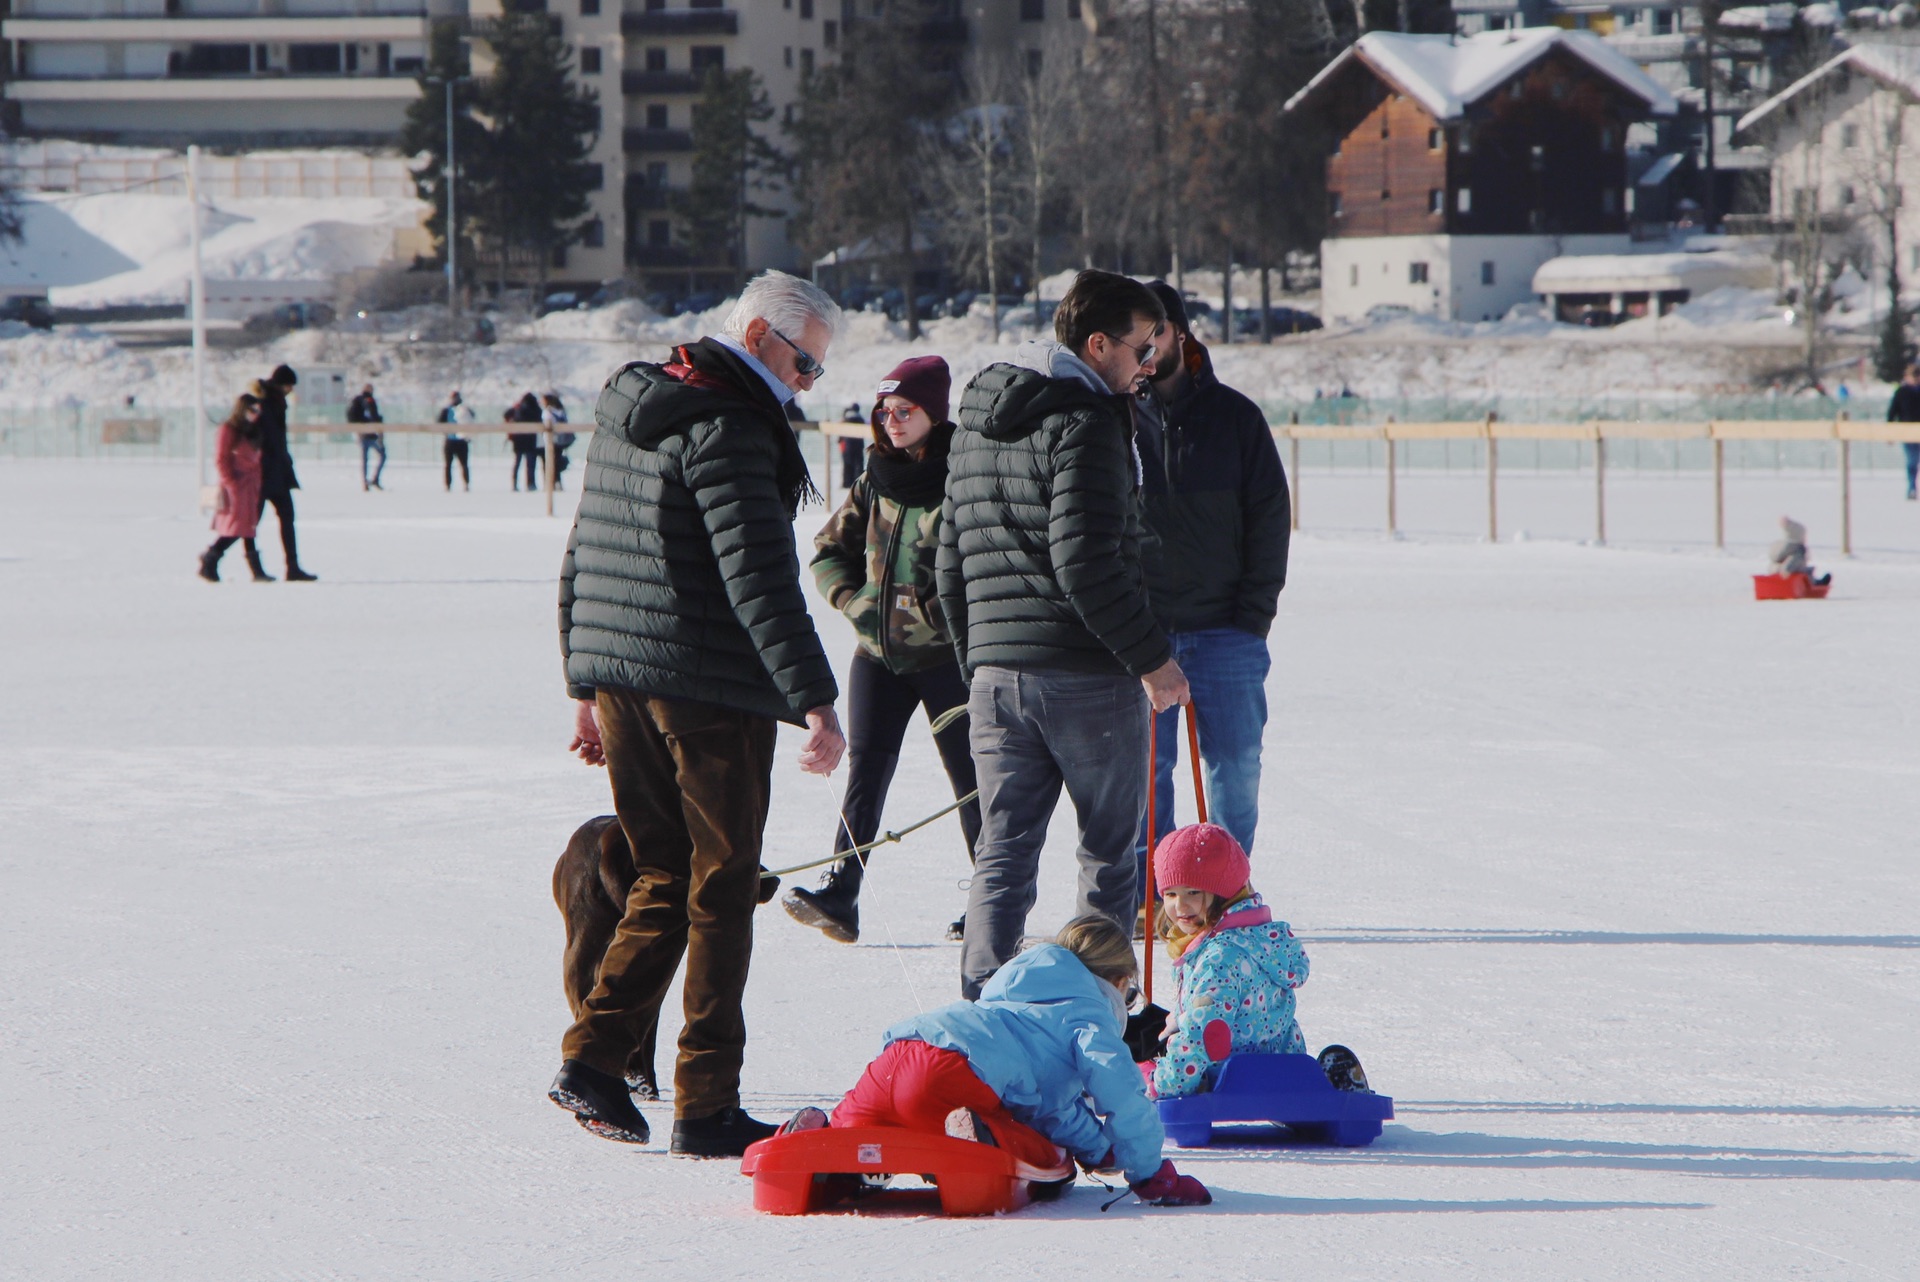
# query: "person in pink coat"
{"points": [[237, 459]]}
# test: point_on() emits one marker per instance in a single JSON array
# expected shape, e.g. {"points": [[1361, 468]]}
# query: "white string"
{"points": [[884, 924]]}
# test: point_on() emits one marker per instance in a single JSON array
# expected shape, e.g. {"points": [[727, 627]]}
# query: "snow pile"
{"points": [[133, 249]]}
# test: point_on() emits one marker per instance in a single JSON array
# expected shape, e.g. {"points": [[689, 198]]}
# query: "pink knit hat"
{"points": [[1204, 856]]}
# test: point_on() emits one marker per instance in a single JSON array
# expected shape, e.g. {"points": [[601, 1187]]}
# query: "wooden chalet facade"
{"points": [[1463, 163]]}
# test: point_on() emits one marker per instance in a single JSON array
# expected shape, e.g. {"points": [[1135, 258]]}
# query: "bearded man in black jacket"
{"points": [[685, 638], [1218, 508]]}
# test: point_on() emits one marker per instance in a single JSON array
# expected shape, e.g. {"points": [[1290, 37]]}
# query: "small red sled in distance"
{"points": [[1788, 587], [815, 1170]]}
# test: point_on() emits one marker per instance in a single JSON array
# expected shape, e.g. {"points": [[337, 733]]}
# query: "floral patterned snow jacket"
{"points": [[1243, 971]]}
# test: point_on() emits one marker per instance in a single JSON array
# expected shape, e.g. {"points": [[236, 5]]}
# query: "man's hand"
{"points": [[1166, 686], [586, 734], [821, 753]]}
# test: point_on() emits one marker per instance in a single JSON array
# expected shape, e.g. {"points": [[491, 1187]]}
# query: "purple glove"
{"points": [[1167, 1187], [1102, 1163]]}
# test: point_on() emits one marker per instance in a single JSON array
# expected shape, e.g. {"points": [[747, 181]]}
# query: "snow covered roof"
{"points": [[1448, 74], [1895, 66], [1633, 273]]}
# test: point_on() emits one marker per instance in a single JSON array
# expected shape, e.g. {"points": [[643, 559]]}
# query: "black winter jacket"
{"points": [[276, 460], [681, 577], [1905, 406], [1039, 564], [1216, 504]]}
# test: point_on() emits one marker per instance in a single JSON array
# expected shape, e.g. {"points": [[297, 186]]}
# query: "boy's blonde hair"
{"points": [[1103, 947]]}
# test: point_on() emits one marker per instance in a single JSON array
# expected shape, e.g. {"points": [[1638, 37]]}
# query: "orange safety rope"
{"points": [[1148, 897]]}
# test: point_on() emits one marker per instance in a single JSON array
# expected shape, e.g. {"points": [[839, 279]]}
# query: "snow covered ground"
{"points": [[1605, 869]]}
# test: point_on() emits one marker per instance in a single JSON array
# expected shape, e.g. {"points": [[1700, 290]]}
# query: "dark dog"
{"points": [[590, 886]]}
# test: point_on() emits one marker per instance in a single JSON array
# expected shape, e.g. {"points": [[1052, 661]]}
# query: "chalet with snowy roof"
{"points": [[1845, 139], [1464, 163]]}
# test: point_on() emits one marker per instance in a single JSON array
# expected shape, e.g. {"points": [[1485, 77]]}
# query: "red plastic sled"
{"points": [[1788, 587], [812, 1170]]}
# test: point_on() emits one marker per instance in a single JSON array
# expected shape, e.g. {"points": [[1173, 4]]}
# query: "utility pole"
{"points": [[451, 177]]}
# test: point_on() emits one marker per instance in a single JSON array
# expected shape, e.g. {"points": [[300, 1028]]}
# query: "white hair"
{"points": [[787, 303]]}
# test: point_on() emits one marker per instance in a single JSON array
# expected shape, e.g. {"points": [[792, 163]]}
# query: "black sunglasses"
{"points": [[804, 362]]}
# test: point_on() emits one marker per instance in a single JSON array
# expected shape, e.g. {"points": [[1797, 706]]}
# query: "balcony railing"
{"points": [[681, 22], [659, 82], [657, 140]]}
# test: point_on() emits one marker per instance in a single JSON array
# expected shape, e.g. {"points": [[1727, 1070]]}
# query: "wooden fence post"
{"points": [[1846, 497], [1393, 496], [1719, 492], [1493, 474], [1599, 488]]}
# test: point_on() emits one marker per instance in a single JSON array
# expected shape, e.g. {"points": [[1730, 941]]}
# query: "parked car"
{"points": [[563, 301], [705, 301], [1388, 312], [1280, 320], [28, 309]]}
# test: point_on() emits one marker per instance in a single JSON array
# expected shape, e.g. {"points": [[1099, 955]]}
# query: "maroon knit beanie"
{"points": [[924, 380], [1203, 856]]}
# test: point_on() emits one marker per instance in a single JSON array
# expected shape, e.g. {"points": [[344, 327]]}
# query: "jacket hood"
{"points": [[1056, 360], [1048, 974], [1008, 401]]}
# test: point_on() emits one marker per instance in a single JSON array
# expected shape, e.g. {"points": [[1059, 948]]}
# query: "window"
{"points": [[1353, 272], [596, 175], [806, 62], [1609, 200], [1384, 131], [656, 59], [787, 55], [1486, 272], [1073, 10], [1662, 22], [1846, 194], [1034, 62], [1463, 200], [656, 173], [559, 255], [659, 233], [589, 60], [1434, 139], [1416, 273], [654, 6], [1497, 22], [829, 33], [656, 115], [1463, 140], [1033, 10], [313, 60], [1385, 194], [589, 8], [806, 10], [352, 53], [704, 58], [1436, 200], [1333, 204], [1849, 135], [594, 234]]}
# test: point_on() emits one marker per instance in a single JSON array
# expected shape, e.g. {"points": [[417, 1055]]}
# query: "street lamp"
{"points": [[453, 223]]}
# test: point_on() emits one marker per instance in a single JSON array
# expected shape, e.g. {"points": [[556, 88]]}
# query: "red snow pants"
{"points": [[915, 1085]]}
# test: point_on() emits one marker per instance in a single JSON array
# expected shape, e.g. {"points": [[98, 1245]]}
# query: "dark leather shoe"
{"points": [[298, 575], [723, 1134], [599, 1102]]}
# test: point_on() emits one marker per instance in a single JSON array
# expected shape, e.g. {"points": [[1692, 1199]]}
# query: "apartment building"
{"points": [[222, 72]]}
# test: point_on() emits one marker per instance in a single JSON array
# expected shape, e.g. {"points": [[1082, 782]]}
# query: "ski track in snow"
{"points": [[1606, 871]]}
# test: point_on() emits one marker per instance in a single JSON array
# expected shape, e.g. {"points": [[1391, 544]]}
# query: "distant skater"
{"points": [[455, 448], [236, 457], [1905, 408], [526, 445], [364, 409]]}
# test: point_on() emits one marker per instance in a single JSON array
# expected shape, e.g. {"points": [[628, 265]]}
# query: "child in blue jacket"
{"points": [[1234, 966], [1036, 1067]]}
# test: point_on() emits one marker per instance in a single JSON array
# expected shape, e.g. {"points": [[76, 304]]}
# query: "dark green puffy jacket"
{"points": [[681, 577], [1039, 565]]}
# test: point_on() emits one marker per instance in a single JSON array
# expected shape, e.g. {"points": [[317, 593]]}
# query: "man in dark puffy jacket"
{"points": [[277, 478], [686, 639], [1040, 582], [1217, 506]]}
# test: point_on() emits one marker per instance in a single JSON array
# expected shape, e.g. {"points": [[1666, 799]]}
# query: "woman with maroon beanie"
{"points": [[874, 563]]}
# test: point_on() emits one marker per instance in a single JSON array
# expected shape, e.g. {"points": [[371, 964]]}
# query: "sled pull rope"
{"points": [[885, 924], [1153, 796]]}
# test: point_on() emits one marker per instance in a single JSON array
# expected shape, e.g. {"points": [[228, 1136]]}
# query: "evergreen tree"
{"points": [[732, 161], [531, 176], [426, 131]]}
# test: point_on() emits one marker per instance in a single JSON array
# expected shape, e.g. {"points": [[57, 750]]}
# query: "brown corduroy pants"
{"points": [[691, 785]]}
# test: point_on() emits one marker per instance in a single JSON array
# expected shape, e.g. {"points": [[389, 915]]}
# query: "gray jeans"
{"points": [[1032, 733]]}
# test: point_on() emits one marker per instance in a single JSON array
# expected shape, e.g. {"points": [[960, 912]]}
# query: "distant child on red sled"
{"points": [[1036, 1067], [1789, 554], [1234, 966]]}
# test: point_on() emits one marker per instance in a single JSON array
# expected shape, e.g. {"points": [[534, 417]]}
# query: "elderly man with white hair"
{"points": [[686, 639]]}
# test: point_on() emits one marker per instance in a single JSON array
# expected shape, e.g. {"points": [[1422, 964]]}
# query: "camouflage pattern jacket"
{"points": [[874, 563]]}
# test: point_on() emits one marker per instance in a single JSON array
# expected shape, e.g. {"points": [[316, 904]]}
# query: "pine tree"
{"points": [[531, 175], [732, 161]]}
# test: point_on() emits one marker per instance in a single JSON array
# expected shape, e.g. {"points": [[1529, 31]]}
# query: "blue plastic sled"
{"points": [[1285, 1090]]}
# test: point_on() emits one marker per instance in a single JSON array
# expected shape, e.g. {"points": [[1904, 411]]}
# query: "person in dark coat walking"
{"points": [[685, 639], [1905, 408], [874, 562], [1041, 586], [277, 479], [526, 445], [364, 409], [1218, 508]]}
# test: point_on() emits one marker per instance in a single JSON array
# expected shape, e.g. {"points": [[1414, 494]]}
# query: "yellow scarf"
{"points": [[1178, 944]]}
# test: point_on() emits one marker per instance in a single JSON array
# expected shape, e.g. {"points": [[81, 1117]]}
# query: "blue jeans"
{"points": [[372, 443], [1913, 462], [1227, 673]]}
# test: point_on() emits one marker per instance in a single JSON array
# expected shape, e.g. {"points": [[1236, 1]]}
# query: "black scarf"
{"points": [[910, 481], [722, 364]]}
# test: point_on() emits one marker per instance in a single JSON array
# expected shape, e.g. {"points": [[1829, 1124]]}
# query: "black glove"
{"points": [[1143, 1033]]}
